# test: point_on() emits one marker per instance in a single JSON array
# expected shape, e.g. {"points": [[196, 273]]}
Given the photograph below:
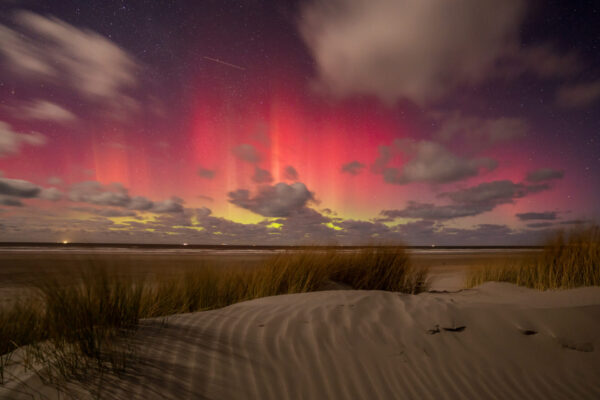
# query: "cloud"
{"points": [[206, 173], [50, 49], [290, 173], [429, 162], [46, 111], [540, 225], [479, 133], [12, 190], [172, 205], [494, 193], [19, 188], [116, 195], [353, 167], [52, 194], [580, 95], [408, 49], [107, 212], [467, 202], [246, 152], [261, 176], [10, 201], [279, 200], [140, 203], [430, 211], [95, 193], [529, 216], [11, 141], [544, 174]]}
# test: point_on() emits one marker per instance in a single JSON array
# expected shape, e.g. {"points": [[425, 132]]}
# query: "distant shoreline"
{"points": [[238, 247]]}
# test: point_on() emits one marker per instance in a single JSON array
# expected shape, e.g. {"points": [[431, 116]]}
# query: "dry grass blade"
{"points": [[568, 260], [79, 325]]}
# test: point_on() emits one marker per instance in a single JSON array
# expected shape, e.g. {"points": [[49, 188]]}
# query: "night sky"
{"points": [[468, 122]]}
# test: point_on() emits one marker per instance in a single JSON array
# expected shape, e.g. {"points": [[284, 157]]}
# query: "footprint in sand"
{"points": [[583, 347], [436, 329]]}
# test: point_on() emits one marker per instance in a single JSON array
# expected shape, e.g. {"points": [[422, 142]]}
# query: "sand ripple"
{"points": [[493, 342]]}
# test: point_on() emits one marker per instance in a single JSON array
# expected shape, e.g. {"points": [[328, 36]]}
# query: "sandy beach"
{"points": [[496, 341]]}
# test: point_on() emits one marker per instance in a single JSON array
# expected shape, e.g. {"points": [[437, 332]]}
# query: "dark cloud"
{"points": [[206, 173], [353, 167], [537, 225], [95, 193], [544, 174], [467, 202], [11, 141], [19, 188], [11, 190], [430, 211], [546, 216], [279, 200], [290, 173], [428, 162], [246, 152], [493, 193], [262, 176], [479, 133], [579, 95], [106, 212], [140, 203], [10, 201], [172, 205], [116, 195], [574, 222]]}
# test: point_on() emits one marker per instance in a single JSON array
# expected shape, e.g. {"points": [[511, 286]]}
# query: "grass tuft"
{"points": [[568, 260], [72, 327]]}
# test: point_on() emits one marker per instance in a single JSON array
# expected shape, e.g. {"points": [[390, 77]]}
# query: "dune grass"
{"points": [[568, 260], [74, 326]]}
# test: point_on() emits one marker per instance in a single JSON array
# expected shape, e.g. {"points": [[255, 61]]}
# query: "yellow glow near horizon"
{"points": [[332, 226]]}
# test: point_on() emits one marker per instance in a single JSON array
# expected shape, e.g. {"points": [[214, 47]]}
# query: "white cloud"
{"points": [[408, 49], [52, 50], [11, 141], [46, 111]]}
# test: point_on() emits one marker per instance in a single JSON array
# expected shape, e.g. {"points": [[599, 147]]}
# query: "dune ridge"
{"points": [[496, 341]]}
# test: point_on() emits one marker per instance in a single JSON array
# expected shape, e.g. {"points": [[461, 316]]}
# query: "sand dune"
{"points": [[497, 341]]}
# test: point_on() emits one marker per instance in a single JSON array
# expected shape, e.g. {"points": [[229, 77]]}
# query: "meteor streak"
{"points": [[225, 63]]}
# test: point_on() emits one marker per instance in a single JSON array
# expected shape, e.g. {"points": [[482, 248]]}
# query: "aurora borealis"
{"points": [[298, 122]]}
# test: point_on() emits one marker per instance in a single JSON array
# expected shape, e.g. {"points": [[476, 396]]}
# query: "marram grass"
{"points": [[568, 260], [71, 327]]}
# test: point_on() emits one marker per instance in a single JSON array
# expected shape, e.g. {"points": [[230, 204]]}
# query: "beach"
{"points": [[494, 341], [497, 341]]}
